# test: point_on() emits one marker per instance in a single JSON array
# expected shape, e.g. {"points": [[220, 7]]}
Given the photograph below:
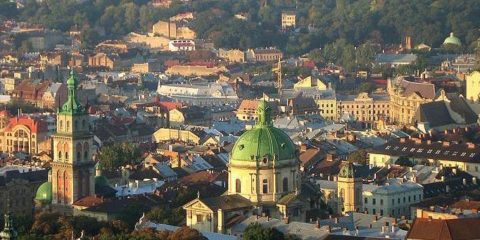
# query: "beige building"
{"points": [[349, 190], [232, 55], [199, 70], [172, 30], [364, 108], [289, 19], [156, 43], [473, 86], [168, 134], [263, 55], [405, 98]]}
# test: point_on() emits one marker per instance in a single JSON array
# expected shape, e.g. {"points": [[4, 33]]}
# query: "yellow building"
{"points": [[473, 86], [349, 190], [289, 19], [364, 108], [311, 82], [405, 98]]}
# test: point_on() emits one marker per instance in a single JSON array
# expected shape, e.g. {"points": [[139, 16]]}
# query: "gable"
{"points": [[197, 204]]}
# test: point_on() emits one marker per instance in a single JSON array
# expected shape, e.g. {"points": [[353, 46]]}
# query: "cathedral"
{"points": [[263, 178], [72, 175]]}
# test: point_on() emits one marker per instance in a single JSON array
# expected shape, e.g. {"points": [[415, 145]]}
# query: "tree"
{"points": [[255, 231], [359, 156], [366, 87]]}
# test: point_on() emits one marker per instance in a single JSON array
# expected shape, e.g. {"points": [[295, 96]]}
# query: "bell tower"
{"points": [[72, 167], [349, 190]]}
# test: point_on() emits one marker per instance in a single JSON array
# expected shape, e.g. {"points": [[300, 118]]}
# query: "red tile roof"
{"points": [[35, 125], [424, 228]]}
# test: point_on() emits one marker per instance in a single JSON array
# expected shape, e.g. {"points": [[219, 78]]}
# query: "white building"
{"points": [[391, 199], [200, 95]]}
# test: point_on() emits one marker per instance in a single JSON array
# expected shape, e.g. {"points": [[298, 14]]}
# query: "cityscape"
{"points": [[239, 119]]}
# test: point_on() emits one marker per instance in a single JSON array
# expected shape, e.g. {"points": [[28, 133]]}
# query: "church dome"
{"points": [[347, 171], [101, 181], [264, 142], [453, 40], [44, 193]]}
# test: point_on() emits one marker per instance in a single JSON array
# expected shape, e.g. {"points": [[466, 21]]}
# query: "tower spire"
{"points": [[264, 114], [72, 106], [9, 232]]}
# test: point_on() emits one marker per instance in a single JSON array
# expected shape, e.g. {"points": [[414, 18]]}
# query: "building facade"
{"points": [[473, 86], [289, 19], [364, 107], [405, 98]]}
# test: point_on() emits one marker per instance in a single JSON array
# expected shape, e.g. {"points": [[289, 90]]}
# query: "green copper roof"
{"points": [[263, 142], [347, 171], [72, 106], [101, 181], [452, 39], [44, 193]]}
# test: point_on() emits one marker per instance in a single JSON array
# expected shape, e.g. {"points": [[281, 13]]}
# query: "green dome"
{"points": [[44, 193], [452, 39], [101, 181], [263, 142], [347, 171]]}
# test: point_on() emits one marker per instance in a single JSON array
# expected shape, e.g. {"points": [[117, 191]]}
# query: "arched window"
{"points": [[60, 124], [79, 151], [265, 186], [68, 125], [285, 184], [342, 194], [238, 186], [85, 150], [84, 124], [75, 125], [66, 155], [59, 154]]}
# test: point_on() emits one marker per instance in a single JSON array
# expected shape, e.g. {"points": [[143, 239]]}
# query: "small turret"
{"points": [[8, 232]]}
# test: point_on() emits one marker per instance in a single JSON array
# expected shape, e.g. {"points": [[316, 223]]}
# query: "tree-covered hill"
{"points": [[320, 21]]}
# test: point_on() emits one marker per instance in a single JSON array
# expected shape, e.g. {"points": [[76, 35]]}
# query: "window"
{"points": [[68, 125], [409, 199], [381, 202], [59, 155], [79, 156], [366, 201], [373, 211], [393, 202], [265, 186], [238, 186], [285, 184], [404, 200], [66, 155], [381, 212], [414, 197], [374, 201]]}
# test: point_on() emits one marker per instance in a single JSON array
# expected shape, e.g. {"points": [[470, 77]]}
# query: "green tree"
{"points": [[255, 231], [359, 156]]}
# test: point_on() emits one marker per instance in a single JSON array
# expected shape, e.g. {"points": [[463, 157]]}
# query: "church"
{"points": [[263, 179], [72, 176]]}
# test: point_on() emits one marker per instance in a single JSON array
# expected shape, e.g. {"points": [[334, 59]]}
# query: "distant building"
{"points": [[288, 19], [473, 86], [364, 107], [232, 55], [200, 95], [181, 45], [405, 98], [464, 156], [395, 60], [264, 55], [173, 30]]}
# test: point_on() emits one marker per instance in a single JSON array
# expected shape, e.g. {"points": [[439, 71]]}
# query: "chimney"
{"points": [[393, 229], [336, 220], [329, 157], [286, 220], [303, 148], [470, 145], [474, 180], [418, 141], [402, 140], [445, 144], [317, 225], [429, 142]]}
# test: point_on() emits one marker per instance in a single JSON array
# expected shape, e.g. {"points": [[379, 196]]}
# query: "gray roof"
{"points": [[395, 58]]}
